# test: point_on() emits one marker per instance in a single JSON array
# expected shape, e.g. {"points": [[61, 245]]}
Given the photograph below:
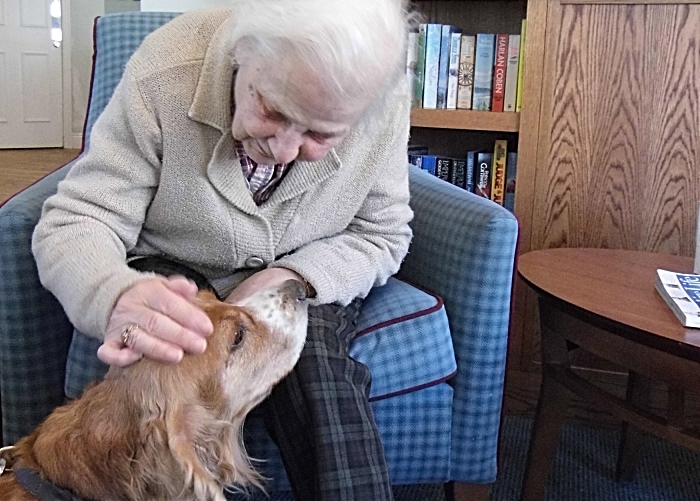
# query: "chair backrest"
{"points": [[116, 37]]}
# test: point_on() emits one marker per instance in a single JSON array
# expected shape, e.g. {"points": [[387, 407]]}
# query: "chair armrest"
{"points": [[34, 331], [463, 249]]}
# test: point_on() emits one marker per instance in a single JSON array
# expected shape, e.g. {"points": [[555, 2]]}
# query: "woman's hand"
{"points": [[261, 280], [168, 323]]}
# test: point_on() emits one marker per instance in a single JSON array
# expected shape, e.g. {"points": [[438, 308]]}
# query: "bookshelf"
{"points": [[465, 120]]}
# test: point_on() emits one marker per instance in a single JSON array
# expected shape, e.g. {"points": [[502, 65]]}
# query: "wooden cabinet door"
{"points": [[617, 161]]}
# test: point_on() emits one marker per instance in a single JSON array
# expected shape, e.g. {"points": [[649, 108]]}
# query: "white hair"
{"points": [[355, 46]]}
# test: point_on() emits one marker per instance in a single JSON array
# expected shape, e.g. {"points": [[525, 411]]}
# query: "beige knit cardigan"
{"points": [[161, 177]]}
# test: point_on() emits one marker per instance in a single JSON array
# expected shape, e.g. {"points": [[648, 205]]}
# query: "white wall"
{"points": [[181, 5]]}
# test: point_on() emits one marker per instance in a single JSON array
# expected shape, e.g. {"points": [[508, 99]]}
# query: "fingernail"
{"points": [[200, 345]]}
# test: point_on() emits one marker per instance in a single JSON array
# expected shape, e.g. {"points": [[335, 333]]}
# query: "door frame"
{"points": [[70, 139]]}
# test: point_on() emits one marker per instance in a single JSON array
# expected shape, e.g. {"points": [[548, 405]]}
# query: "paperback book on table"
{"points": [[681, 291]]}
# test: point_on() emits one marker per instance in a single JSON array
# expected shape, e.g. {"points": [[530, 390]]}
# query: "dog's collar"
{"points": [[43, 489]]}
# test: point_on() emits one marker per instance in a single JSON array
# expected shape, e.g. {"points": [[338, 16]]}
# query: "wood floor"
{"points": [[21, 168]]}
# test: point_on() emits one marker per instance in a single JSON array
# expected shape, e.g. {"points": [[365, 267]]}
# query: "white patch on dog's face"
{"points": [[267, 343]]}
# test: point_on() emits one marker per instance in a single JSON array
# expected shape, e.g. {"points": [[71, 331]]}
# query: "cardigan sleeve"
{"points": [[371, 248], [88, 226]]}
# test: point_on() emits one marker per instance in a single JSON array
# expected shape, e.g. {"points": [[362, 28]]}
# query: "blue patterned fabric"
{"points": [[463, 252], [464, 248], [404, 339]]}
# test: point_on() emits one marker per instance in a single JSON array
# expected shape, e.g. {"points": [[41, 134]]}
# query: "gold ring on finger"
{"points": [[126, 334]]}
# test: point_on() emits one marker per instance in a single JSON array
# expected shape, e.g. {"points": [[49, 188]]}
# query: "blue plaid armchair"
{"points": [[436, 348]]}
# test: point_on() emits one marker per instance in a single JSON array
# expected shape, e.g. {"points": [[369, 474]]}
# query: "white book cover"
{"points": [[511, 91], [466, 72], [453, 77], [681, 291], [411, 59], [432, 63]]}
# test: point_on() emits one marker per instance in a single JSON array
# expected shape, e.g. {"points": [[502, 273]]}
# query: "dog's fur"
{"points": [[156, 431]]}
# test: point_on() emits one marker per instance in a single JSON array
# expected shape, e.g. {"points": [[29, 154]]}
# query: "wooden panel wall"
{"points": [[618, 155]]}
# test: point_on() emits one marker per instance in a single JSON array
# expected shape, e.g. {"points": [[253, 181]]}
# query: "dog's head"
{"points": [[193, 411]]}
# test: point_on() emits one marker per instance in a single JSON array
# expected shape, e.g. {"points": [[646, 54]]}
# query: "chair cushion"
{"points": [[404, 339]]}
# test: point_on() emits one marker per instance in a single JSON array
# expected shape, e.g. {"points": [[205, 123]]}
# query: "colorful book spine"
{"points": [[432, 65], [471, 166], [458, 173], [511, 169], [498, 174], [521, 65], [412, 63], [499, 72], [483, 71], [465, 84], [511, 91], [482, 174], [453, 76], [444, 64], [417, 100]]}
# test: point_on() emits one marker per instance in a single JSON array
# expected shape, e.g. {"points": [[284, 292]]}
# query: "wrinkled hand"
{"points": [[169, 324], [261, 280]]}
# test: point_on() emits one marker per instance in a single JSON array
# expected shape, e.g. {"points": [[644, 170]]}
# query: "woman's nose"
{"points": [[285, 145]]}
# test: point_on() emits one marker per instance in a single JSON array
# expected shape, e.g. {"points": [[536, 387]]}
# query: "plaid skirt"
{"points": [[319, 415]]}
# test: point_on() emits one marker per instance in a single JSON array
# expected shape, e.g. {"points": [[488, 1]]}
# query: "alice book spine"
{"points": [[429, 164], [498, 174], [521, 65], [483, 71], [511, 92], [432, 65], [499, 72], [471, 169], [465, 83], [453, 76]]}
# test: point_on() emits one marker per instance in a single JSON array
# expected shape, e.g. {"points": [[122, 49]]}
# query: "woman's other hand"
{"points": [[168, 323]]}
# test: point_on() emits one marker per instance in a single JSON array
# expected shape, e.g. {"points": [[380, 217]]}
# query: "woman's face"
{"points": [[283, 112]]}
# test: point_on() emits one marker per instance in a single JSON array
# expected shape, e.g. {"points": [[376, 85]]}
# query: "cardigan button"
{"points": [[254, 262]]}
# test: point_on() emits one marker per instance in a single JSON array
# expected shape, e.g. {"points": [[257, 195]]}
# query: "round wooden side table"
{"points": [[603, 301]]}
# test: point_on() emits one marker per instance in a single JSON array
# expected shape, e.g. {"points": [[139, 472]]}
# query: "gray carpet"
{"points": [[582, 471]]}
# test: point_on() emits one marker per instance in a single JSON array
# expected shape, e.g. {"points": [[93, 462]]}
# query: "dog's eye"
{"points": [[238, 340]]}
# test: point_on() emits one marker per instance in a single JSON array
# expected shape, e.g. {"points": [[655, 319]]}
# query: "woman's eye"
{"points": [[238, 339]]}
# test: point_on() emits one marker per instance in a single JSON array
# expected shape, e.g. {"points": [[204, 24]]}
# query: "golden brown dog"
{"points": [[156, 431]]}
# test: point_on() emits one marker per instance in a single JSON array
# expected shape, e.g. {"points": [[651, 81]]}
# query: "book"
{"points": [[471, 166], [511, 169], [483, 71], [458, 173], [444, 65], [498, 172], [465, 82], [412, 63], [521, 63], [416, 149], [416, 160], [453, 76], [482, 174], [428, 164], [681, 292], [443, 166], [432, 65], [417, 100], [499, 72], [511, 90]]}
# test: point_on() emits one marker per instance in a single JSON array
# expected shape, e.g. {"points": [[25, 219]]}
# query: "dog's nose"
{"points": [[294, 289]]}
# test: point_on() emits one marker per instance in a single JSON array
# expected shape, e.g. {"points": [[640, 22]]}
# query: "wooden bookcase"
{"points": [[608, 137]]}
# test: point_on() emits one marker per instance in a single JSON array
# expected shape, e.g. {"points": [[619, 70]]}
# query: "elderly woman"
{"points": [[242, 148]]}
